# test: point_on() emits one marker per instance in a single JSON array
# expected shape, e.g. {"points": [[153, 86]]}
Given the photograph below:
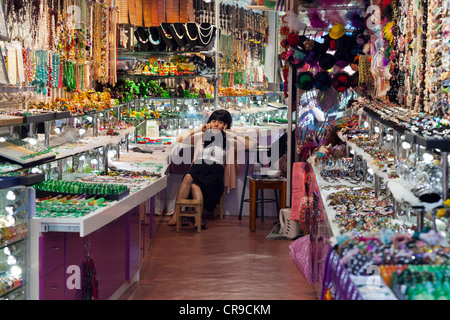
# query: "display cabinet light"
{"points": [[11, 195], [111, 154], [427, 157], [36, 170], [15, 271], [9, 210], [11, 260], [406, 145], [32, 141]]}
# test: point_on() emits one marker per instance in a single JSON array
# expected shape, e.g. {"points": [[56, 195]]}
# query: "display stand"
{"points": [[119, 221]]}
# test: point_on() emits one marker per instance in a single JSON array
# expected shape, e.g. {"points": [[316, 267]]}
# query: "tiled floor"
{"points": [[224, 262]]}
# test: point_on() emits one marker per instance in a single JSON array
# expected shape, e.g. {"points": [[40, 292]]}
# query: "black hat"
{"points": [[343, 58], [322, 80], [319, 50], [327, 61]]}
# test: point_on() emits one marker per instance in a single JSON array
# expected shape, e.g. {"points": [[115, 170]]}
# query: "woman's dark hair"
{"points": [[210, 136], [221, 115]]}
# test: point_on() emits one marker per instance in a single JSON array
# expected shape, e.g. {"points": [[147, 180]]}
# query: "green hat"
{"points": [[305, 80]]}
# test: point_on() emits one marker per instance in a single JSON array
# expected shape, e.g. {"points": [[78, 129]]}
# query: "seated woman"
{"points": [[213, 166]]}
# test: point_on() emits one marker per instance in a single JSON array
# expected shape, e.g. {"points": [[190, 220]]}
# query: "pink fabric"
{"points": [[300, 252], [298, 189]]}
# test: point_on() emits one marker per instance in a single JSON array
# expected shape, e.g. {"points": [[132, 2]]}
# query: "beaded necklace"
{"points": [[176, 33], [69, 80], [187, 33], [140, 39], [157, 42], [201, 36], [167, 35], [41, 78]]}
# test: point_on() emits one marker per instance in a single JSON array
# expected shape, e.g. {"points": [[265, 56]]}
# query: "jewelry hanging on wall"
{"points": [[143, 38], [177, 30], [205, 34], [191, 33], [167, 37], [155, 38]]}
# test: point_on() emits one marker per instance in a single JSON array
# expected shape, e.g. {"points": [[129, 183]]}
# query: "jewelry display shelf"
{"points": [[16, 153], [385, 122], [146, 54], [397, 186], [8, 182], [429, 142], [6, 120], [111, 197], [330, 213], [150, 77], [23, 180], [432, 143], [100, 218]]}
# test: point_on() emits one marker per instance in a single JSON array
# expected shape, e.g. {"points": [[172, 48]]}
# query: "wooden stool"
{"points": [[219, 208], [197, 205], [261, 184]]}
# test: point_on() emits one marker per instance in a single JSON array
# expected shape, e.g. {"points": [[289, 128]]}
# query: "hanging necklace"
{"points": [[139, 37], [176, 33], [202, 36], [187, 33], [168, 36], [157, 42]]}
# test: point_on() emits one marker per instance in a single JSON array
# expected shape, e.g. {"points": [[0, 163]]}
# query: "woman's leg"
{"points": [[187, 185], [196, 192], [197, 195]]}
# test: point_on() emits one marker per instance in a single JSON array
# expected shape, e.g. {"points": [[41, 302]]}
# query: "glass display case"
{"points": [[13, 242]]}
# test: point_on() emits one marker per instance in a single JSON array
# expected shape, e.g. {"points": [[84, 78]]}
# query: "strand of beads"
{"points": [[55, 70], [41, 79]]}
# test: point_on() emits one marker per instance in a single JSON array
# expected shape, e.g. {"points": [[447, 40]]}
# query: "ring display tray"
{"points": [[23, 155], [111, 197], [7, 120], [40, 117]]}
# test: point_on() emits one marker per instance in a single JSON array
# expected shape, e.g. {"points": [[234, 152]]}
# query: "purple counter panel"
{"points": [[113, 248]]}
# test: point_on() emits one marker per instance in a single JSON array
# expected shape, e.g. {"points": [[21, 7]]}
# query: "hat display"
{"points": [[341, 81], [295, 57], [346, 42], [327, 61], [354, 80], [330, 43], [322, 80], [305, 80], [343, 58], [337, 31], [319, 50]]}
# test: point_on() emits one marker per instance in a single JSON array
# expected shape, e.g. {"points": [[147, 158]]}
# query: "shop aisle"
{"points": [[224, 262]]}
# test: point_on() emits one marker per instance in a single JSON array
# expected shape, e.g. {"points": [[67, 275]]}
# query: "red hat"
{"points": [[341, 81]]}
